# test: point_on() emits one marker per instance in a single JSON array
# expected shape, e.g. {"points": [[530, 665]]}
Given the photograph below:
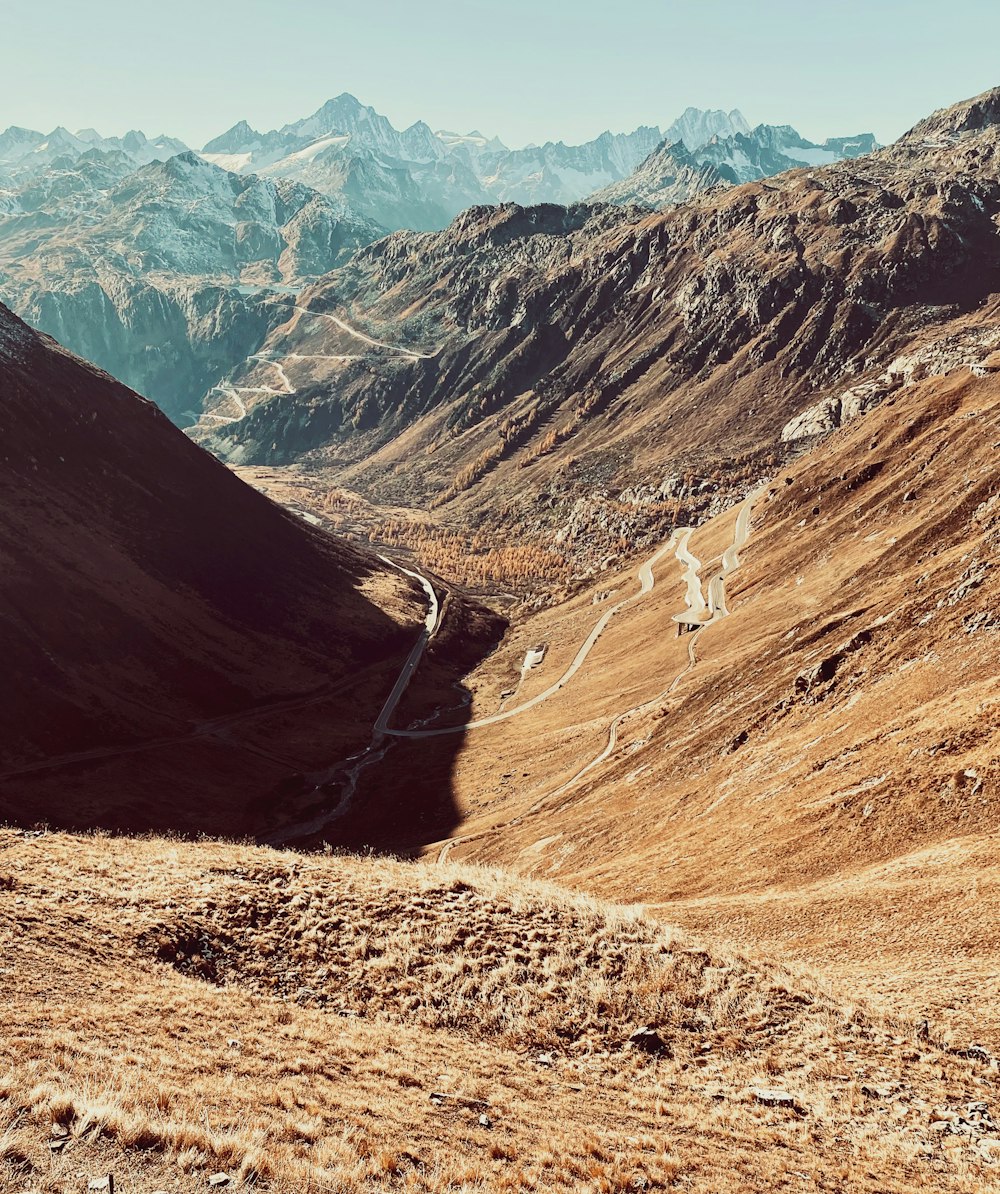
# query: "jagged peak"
{"points": [[240, 134], [968, 116]]}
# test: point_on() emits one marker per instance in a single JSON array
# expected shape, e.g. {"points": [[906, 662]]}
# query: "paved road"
{"points": [[229, 392], [375, 751], [646, 582], [695, 606], [415, 656], [694, 601], [276, 365]]}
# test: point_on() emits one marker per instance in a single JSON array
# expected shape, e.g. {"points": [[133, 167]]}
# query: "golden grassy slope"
{"points": [[823, 784], [340, 994]]}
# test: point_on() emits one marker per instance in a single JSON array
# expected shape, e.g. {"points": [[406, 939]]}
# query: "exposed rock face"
{"points": [[623, 343], [671, 174], [169, 275], [972, 348], [695, 128], [678, 171], [146, 591]]}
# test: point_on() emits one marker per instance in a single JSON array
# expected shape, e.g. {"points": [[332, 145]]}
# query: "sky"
{"points": [[526, 70]]}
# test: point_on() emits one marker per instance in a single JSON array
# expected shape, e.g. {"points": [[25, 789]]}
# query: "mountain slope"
{"points": [[281, 1023], [163, 275], [822, 781], [617, 362], [147, 595]]}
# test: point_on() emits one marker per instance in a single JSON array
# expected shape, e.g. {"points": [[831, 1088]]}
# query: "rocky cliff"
{"points": [[168, 275]]}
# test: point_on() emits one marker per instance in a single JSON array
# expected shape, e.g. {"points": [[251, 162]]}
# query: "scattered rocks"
{"points": [[974, 1121], [975, 1052], [648, 1040], [442, 1097], [219, 1179], [770, 1096], [878, 1092], [986, 619]]}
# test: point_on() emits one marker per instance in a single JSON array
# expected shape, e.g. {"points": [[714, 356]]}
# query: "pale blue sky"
{"points": [[527, 70]]}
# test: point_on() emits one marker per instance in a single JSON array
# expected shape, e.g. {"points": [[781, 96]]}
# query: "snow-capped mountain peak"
{"points": [[697, 126]]}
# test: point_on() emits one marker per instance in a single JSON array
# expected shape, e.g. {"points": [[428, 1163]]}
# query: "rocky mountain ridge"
{"points": [[675, 171], [25, 153], [346, 141], [564, 352], [169, 268], [168, 275]]}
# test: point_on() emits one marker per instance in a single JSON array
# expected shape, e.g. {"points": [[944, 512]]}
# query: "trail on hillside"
{"points": [[233, 392], [695, 606], [346, 327]]}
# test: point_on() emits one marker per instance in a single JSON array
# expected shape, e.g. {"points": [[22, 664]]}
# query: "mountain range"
{"points": [[419, 179], [285, 800], [548, 365], [160, 264]]}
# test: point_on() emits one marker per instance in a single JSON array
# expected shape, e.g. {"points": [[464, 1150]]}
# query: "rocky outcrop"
{"points": [[170, 275], [671, 174], [973, 348]]}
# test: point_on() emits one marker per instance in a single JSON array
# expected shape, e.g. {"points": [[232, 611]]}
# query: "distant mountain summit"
{"points": [[673, 172], [25, 153], [694, 127], [170, 274], [418, 179]]}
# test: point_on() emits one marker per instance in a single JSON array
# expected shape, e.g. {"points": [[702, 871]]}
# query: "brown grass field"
{"points": [[176, 1011]]}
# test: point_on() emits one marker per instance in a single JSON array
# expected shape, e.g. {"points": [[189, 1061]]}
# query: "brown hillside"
{"points": [[823, 782], [159, 618], [180, 1011]]}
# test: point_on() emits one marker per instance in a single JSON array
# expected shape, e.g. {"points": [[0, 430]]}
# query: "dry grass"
{"points": [[445, 980], [523, 963]]}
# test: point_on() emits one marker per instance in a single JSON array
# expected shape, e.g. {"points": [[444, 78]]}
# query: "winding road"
{"points": [[695, 606], [234, 392], [375, 751], [646, 582], [431, 623], [346, 327]]}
